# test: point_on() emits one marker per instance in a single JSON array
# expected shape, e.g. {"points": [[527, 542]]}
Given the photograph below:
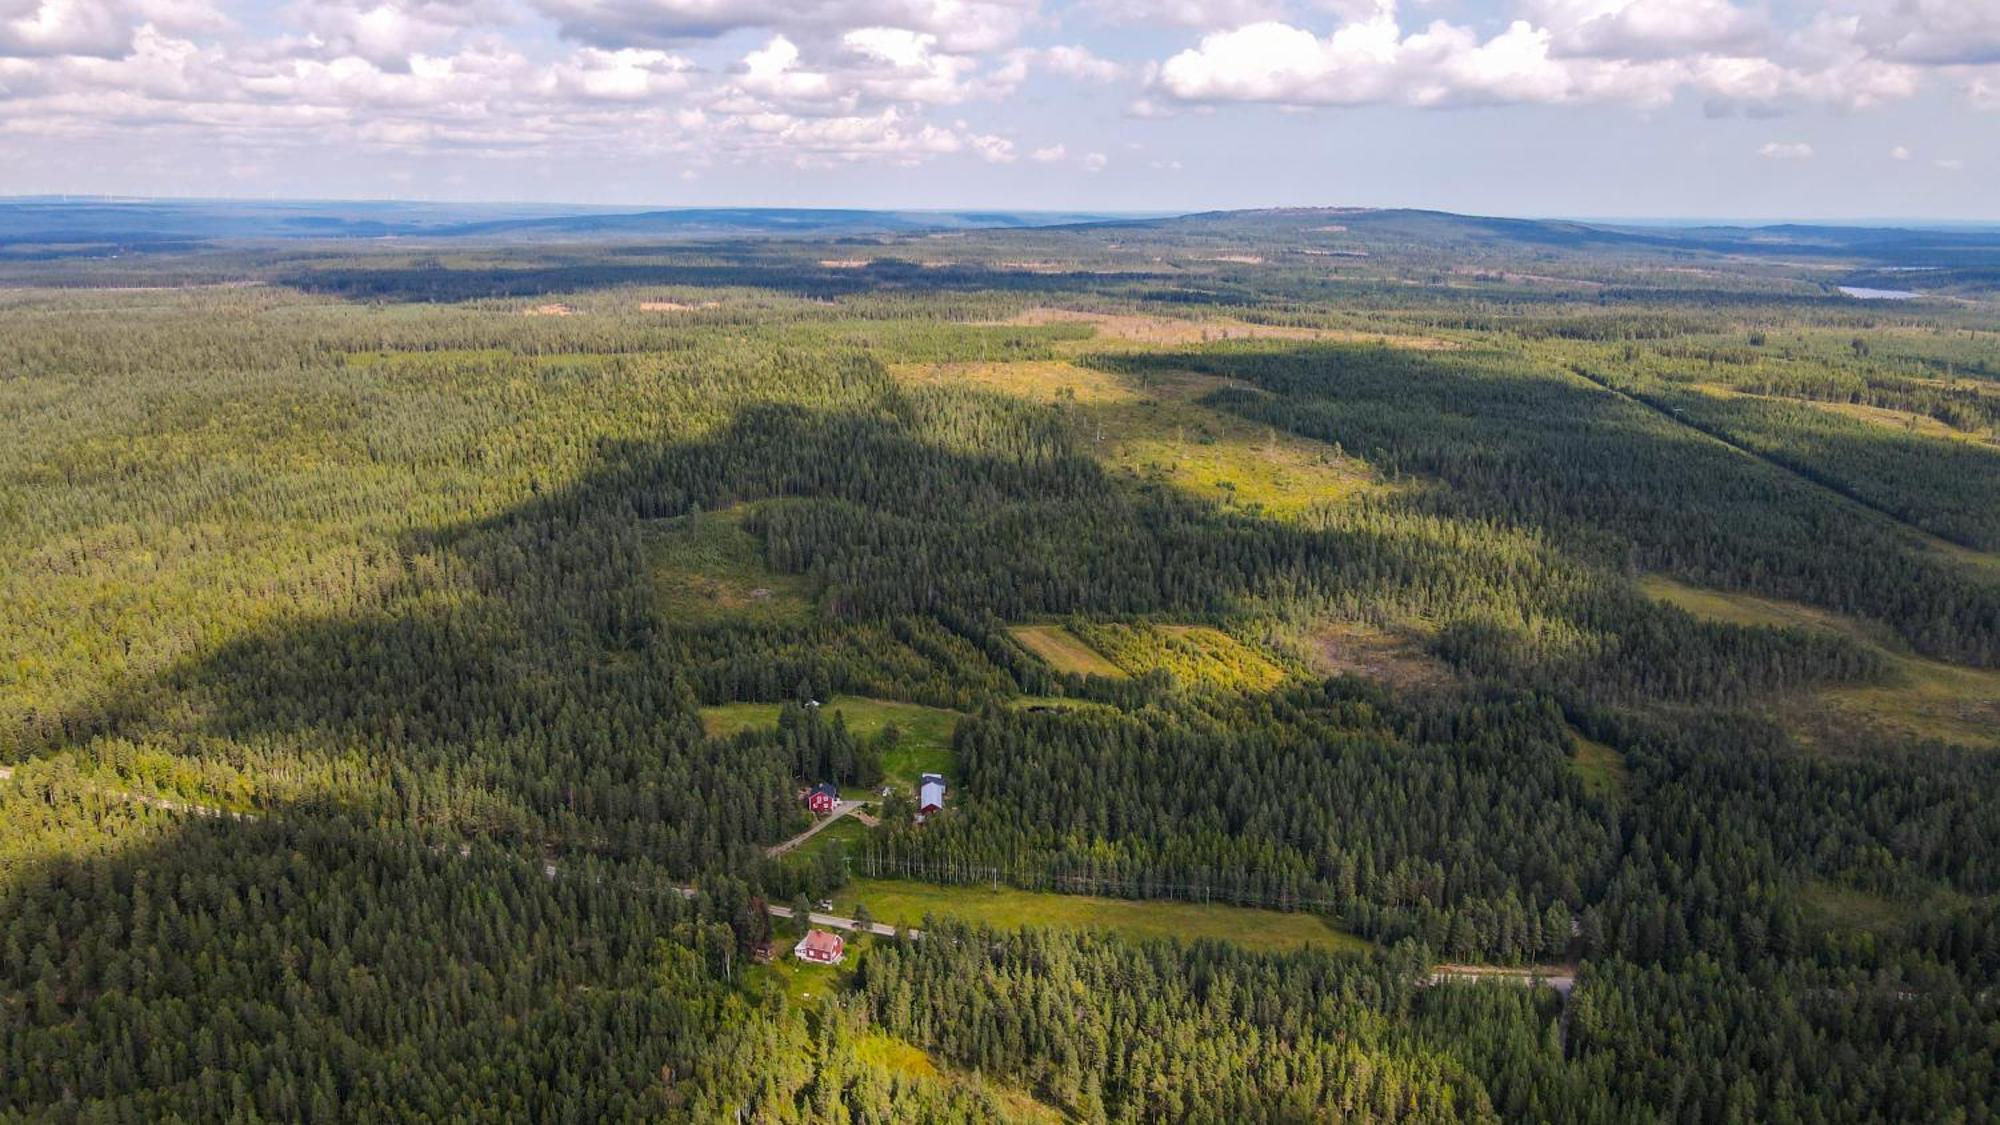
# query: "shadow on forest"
{"points": [[533, 687], [523, 684]]}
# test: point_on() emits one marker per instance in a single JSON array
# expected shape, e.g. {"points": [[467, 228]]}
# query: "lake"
{"points": [[1864, 293]]}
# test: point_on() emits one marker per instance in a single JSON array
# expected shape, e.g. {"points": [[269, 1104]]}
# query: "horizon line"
{"points": [[1663, 219]]}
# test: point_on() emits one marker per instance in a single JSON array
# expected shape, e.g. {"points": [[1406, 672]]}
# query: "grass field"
{"points": [[1602, 770], [845, 834], [904, 902], [1922, 698], [707, 569], [1061, 650], [924, 747]]}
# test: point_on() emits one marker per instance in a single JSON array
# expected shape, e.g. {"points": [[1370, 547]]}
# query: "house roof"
{"points": [[826, 787], [821, 941]]}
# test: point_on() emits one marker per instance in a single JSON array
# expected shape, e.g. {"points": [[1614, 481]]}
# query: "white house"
{"points": [[930, 794]]}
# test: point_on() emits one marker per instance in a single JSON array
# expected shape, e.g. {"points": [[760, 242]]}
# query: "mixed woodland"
{"points": [[1628, 614]]}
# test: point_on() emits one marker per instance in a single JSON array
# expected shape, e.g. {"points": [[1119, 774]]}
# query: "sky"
{"points": [[1842, 109]]}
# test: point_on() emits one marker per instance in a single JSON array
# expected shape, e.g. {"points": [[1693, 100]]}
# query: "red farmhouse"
{"points": [[820, 947]]}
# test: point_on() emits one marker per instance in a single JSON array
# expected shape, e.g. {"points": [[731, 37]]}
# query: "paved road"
{"points": [[840, 809], [835, 921]]}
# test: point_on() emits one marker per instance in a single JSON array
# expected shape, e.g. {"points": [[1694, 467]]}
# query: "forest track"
{"points": [[840, 809], [1561, 978]]}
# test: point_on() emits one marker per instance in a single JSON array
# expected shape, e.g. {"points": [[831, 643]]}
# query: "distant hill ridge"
{"points": [[33, 226], [58, 220]]}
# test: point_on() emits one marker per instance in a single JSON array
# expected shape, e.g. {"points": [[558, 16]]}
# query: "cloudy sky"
{"points": [[1669, 108]]}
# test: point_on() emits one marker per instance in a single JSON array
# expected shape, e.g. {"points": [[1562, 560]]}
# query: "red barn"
{"points": [[822, 798], [820, 947]]}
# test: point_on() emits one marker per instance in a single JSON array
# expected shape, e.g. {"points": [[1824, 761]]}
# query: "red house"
{"points": [[823, 797], [820, 947]]}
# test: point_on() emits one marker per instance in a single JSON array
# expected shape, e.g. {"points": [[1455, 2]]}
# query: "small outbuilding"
{"points": [[821, 947], [823, 797]]}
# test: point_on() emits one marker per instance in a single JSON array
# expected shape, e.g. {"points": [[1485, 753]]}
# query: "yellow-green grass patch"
{"points": [[905, 902], [1152, 330], [1751, 609], [1832, 908], [1601, 769], [1197, 655], [1904, 421], [1921, 698], [707, 568], [899, 1056], [1836, 908], [1154, 428], [1967, 556], [1061, 650]]}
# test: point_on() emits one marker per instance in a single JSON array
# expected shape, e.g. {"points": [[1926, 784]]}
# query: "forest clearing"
{"points": [[1921, 697]]}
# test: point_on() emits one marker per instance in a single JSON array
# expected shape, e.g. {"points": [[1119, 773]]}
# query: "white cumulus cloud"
{"points": [[1786, 150], [1639, 52]]}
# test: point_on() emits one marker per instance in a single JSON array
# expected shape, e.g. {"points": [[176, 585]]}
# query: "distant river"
{"points": [[1866, 294]]}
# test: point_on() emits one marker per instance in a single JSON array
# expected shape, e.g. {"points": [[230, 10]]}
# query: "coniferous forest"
{"points": [[1381, 671]]}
